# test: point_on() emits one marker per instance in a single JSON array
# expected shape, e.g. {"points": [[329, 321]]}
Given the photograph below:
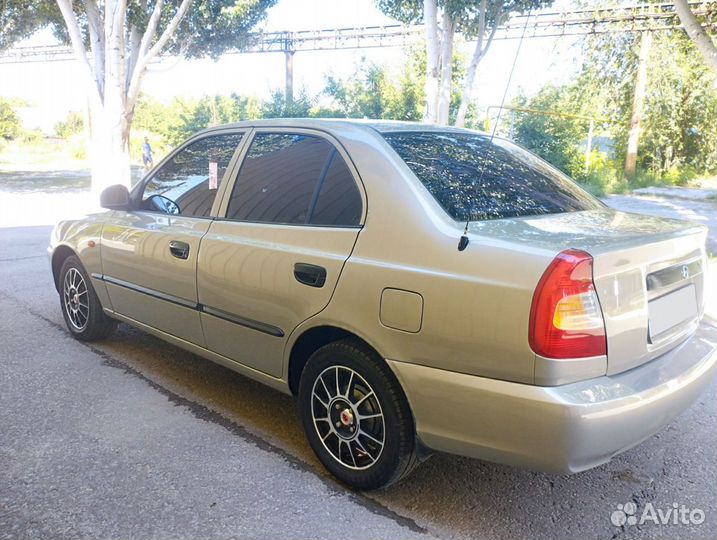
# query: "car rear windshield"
{"points": [[473, 178]]}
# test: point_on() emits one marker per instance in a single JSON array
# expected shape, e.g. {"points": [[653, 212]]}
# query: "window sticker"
{"points": [[213, 175]]}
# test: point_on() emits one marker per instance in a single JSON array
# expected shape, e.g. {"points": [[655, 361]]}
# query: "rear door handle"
{"points": [[310, 274], [179, 249]]}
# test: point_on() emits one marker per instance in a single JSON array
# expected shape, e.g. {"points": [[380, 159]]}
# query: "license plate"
{"points": [[671, 310]]}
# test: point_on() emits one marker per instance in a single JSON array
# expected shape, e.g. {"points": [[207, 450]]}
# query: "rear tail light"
{"points": [[565, 317]]}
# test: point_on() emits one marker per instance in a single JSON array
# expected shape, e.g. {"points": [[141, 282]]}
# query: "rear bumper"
{"points": [[561, 429]]}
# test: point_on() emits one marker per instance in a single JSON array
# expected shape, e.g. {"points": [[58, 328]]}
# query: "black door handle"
{"points": [[310, 274], [179, 249]]}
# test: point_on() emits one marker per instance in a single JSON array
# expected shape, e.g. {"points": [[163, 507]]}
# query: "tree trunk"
{"points": [[446, 83], [638, 101], [430, 16], [114, 77], [109, 147], [467, 94], [697, 33], [478, 54]]}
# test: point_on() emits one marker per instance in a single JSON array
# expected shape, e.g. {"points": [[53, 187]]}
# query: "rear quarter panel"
{"points": [[476, 303]]}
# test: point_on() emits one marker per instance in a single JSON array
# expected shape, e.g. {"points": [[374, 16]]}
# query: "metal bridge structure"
{"points": [[635, 18], [645, 17]]}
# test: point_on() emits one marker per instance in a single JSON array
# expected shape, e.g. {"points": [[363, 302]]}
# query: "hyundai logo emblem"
{"points": [[685, 271]]}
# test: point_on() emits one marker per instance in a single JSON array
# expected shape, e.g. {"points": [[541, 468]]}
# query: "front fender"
{"points": [[81, 238]]}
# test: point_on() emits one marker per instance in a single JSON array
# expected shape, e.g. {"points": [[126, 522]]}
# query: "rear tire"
{"points": [[81, 308], [356, 416]]}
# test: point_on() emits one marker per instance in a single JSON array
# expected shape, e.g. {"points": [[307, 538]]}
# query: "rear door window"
{"points": [[473, 178], [294, 178], [338, 201]]}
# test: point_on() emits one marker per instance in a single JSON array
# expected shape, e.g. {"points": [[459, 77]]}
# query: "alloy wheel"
{"points": [[75, 299], [347, 417]]}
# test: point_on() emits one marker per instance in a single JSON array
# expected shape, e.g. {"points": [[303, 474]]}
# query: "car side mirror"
{"points": [[115, 198]]}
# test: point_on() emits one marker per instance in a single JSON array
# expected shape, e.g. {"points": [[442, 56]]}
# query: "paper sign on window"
{"points": [[213, 175]]}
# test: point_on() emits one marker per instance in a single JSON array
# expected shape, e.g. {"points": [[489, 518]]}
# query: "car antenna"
{"points": [[463, 242]]}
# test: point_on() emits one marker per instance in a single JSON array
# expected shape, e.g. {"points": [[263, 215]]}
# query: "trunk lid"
{"points": [[648, 273]]}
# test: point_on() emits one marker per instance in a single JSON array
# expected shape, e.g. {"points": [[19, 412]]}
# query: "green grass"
{"points": [[44, 181], [35, 152], [36, 164]]}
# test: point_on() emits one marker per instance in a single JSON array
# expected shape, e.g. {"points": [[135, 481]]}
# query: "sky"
{"points": [[51, 90]]}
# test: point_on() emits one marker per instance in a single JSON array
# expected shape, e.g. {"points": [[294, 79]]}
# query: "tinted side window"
{"points": [[294, 178], [191, 178], [277, 179], [339, 200], [472, 178]]}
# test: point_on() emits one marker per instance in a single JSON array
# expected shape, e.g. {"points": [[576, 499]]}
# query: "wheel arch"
{"points": [[312, 339], [59, 256]]}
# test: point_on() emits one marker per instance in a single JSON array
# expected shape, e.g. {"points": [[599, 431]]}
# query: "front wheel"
{"points": [[81, 308], [356, 416]]}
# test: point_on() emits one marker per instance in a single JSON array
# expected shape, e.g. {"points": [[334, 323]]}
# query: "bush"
{"points": [[644, 178], [72, 125], [604, 176], [32, 136], [77, 147], [10, 125], [679, 176], [604, 181]]}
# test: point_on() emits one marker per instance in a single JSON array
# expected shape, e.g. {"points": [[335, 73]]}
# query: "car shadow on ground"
{"points": [[459, 497]]}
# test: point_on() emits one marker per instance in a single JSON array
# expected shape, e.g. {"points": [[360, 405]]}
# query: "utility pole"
{"points": [[638, 103], [289, 74], [286, 39], [589, 145]]}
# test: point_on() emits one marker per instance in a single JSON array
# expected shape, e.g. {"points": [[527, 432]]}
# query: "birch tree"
{"points": [[433, 61], [474, 20], [115, 41], [485, 25], [697, 34]]}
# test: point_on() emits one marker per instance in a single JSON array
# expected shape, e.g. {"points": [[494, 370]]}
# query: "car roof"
{"points": [[382, 126]]}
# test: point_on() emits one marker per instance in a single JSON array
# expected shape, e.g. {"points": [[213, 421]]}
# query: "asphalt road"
{"points": [[673, 205], [134, 438]]}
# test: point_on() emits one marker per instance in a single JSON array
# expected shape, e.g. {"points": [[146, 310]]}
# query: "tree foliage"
{"points": [[213, 27], [372, 93], [555, 138], [21, 18], [71, 125], [10, 125], [465, 13], [279, 107], [176, 121], [698, 34], [210, 27], [679, 125]]}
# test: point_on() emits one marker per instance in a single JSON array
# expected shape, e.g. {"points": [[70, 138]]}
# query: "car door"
{"points": [[288, 223], [149, 256]]}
